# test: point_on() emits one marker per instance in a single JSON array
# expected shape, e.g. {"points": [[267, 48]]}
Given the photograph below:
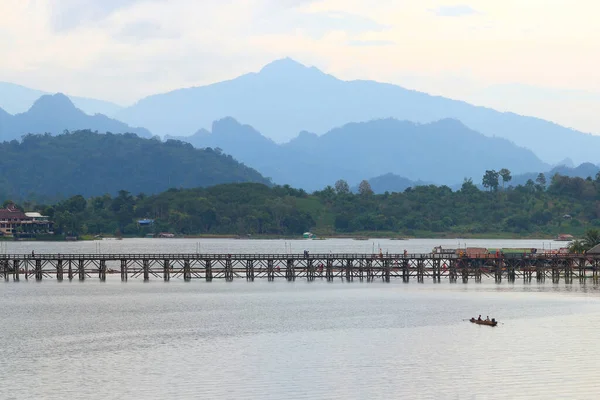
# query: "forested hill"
{"points": [[566, 205], [47, 167]]}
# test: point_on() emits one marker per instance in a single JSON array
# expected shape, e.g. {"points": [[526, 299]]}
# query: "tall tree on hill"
{"points": [[342, 187], [490, 180], [541, 181], [364, 188], [506, 177]]}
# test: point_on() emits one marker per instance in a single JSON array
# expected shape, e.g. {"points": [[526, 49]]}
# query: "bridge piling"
{"points": [[187, 273], [166, 270], [124, 272], [59, 270], [16, 270], [102, 271], [208, 270]]}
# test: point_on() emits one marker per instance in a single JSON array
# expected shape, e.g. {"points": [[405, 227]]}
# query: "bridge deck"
{"points": [[327, 266]]}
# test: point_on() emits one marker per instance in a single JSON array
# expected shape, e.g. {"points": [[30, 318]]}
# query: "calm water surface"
{"points": [[298, 340]]}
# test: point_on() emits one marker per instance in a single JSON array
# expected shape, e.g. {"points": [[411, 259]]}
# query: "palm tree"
{"points": [[577, 247], [591, 238]]}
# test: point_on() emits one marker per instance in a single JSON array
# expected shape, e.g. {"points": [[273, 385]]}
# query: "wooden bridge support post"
{"points": [[540, 273], [5, 270], [250, 270], [437, 271], [70, 270], [310, 270], [102, 271], [187, 271], [228, 270], [38, 269], [387, 270], [452, 275], [478, 266], [569, 271], [349, 272], [555, 271], [582, 271], [166, 270], [290, 275], [209, 271], [405, 271], [420, 271], [464, 270], [146, 270], [370, 274], [16, 270], [498, 270], [510, 269], [361, 269], [329, 270], [124, 272], [26, 269], [595, 271], [59, 270], [81, 269], [270, 271]]}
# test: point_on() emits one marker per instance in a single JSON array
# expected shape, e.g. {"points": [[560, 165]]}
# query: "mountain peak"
{"points": [[56, 103], [284, 65], [288, 68]]}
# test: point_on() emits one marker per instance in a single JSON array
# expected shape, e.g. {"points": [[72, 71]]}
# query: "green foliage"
{"points": [[490, 180], [90, 164], [570, 205]]}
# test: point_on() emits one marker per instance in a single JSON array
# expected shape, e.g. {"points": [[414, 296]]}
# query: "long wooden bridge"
{"points": [[290, 267]]}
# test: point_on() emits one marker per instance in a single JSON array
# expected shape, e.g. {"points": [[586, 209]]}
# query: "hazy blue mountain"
{"points": [[16, 99], [88, 163], [391, 183], [582, 171], [442, 152], [283, 165], [286, 97], [55, 114]]}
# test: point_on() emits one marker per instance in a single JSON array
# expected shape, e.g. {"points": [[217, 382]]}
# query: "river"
{"points": [[294, 340]]}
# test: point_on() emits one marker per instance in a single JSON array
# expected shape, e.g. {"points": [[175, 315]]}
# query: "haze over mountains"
{"points": [[16, 99], [441, 152], [362, 129], [56, 113], [286, 97]]}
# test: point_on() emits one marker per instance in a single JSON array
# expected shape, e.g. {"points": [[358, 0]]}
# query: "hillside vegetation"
{"points": [[46, 167], [567, 205]]}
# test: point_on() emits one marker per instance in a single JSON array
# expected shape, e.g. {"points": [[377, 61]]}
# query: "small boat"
{"points": [[493, 322]]}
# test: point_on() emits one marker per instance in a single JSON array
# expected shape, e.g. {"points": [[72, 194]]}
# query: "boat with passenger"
{"points": [[488, 322]]}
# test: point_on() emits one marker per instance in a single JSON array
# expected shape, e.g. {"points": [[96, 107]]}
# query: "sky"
{"points": [[534, 57]]}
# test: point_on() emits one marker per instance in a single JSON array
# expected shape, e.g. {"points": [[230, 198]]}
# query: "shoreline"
{"points": [[363, 236]]}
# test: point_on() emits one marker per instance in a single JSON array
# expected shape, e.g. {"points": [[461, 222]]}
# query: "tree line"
{"points": [[564, 205]]}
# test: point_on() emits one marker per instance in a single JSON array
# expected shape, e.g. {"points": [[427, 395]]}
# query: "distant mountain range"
{"points": [[390, 183], [55, 114], [582, 171], [286, 97], [47, 168], [16, 99], [441, 152]]}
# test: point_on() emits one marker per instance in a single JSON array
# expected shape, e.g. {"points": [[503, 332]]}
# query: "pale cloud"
{"points": [[122, 50], [453, 11]]}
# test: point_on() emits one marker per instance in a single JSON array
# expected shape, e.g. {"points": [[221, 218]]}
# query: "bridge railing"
{"points": [[286, 256]]}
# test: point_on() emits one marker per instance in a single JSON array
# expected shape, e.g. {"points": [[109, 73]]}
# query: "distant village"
{"points": [[16, 223]]}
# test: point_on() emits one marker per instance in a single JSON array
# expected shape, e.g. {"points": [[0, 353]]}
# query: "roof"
{"points": [[35, 215], [594, 250], [11, 211]]}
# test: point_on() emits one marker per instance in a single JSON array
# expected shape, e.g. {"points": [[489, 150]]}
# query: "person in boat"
{"points": [[493, 319], [479, 318], [487, 318]]}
